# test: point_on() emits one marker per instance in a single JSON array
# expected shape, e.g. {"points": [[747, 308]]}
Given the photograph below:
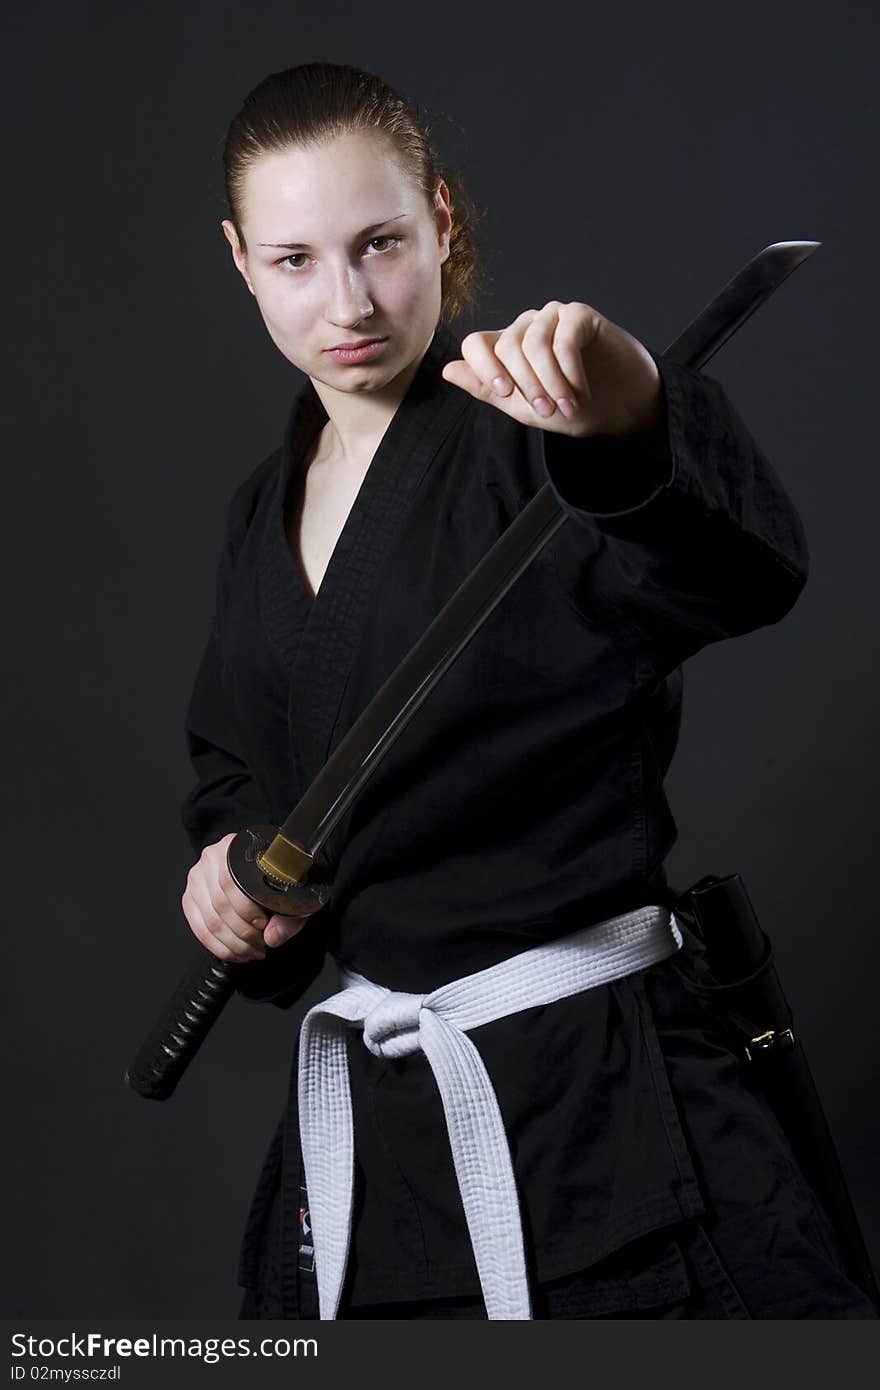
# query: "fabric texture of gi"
{"points": [[523, 802]]}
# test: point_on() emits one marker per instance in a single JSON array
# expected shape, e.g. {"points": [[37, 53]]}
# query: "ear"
{"points": [[239, 256], [443, 217]]}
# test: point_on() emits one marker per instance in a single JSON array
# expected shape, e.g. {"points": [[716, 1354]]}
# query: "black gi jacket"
{"points": [[523, 801]]}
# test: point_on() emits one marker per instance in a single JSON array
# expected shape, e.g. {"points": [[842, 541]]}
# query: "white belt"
{"points": [[395, 1024]]}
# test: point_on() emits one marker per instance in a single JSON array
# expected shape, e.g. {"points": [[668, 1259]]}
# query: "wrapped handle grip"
{"points": [[191, 1012]]}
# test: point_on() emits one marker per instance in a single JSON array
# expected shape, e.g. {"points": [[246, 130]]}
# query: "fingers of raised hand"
{"points": [[538, 357], [481, 372], [577, 327], [526, 350]]}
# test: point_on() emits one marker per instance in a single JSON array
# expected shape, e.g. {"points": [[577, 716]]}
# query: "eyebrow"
{"points": [[304, 246]]}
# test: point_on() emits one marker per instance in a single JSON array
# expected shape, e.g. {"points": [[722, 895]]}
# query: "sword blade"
{"points": [[739, 299]]}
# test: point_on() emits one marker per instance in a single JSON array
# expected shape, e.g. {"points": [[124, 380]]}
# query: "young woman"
{"points": [[598, 1151]]}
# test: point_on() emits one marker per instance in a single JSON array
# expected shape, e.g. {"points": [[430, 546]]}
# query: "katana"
{"points": [[270, 864]]}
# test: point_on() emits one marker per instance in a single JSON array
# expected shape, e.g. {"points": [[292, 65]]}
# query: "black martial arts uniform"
{"points": [[525, 800]]}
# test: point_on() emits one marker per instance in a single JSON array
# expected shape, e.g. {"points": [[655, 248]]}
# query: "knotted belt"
{"points": [[396, 1024]]}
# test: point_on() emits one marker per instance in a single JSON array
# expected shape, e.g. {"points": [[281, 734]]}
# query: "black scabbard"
{"points": [[744, 986]]}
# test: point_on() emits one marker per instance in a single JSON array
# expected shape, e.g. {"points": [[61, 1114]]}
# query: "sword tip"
{"points": [[796, 251]]}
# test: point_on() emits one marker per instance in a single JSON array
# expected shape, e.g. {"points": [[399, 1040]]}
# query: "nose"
{"points": [[348, 300]]}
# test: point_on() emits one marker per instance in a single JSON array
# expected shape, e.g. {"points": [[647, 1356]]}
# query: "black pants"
{"points": [[702, 1287], [698, 1269]]}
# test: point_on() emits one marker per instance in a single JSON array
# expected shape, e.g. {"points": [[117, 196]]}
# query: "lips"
{"points": [[349, 347]]}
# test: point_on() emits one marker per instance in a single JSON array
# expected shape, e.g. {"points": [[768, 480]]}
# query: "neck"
{"points": [[357, 420]]}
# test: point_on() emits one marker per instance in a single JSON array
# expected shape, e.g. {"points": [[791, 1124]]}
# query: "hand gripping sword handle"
{"points": [[207, 986]]}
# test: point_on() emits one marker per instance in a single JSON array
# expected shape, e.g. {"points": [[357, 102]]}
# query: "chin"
{"points": [[367, 376]]}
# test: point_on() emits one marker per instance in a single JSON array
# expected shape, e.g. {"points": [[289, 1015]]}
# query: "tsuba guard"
{"points": [[296, 900]]}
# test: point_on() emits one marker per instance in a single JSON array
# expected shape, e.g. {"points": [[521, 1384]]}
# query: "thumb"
{"points": [[280, 929]]}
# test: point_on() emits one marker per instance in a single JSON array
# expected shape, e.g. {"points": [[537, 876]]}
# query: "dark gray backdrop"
{"points": [[630, 156]]}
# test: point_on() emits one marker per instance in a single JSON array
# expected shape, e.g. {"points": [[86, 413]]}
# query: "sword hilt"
{"points": [[205, 989], [277, 886]]}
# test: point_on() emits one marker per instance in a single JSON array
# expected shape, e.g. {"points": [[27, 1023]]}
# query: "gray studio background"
{"points": [[632, 157]]}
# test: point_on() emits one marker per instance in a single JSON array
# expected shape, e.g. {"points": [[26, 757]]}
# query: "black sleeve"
{"points": [[226, 797], [693, 536]]}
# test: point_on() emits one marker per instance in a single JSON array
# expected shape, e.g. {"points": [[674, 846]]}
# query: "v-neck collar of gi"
{"points": [[318, 647]]}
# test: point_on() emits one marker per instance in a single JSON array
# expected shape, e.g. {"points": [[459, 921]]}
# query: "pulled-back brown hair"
{"points": [[315, 102]]}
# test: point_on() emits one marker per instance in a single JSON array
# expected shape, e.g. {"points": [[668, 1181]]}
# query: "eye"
{"points": [[382, 238], [290, 262]]}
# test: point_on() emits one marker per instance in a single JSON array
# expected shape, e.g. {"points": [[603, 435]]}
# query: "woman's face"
{"points": [[343, 247]]}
